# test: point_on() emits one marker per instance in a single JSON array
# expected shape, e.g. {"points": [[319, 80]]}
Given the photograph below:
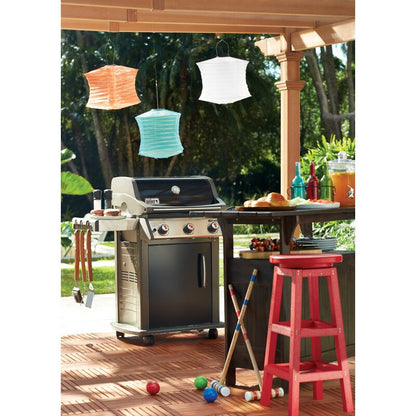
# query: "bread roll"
{"points": [[97, 212], [260, 203], [277, 200], [248, 203]]}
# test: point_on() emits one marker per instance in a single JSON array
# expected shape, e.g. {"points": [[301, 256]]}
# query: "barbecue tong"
{"points": [[80, 256]]}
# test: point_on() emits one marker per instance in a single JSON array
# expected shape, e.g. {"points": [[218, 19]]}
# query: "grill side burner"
{"points": [[166, 255]]}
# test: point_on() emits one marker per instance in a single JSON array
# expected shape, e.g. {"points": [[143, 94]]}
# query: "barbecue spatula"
{"points": [[82, 258], [90, 294], [76, 291]]}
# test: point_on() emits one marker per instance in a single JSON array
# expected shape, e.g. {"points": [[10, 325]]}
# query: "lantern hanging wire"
{"points": [[157, 90], [108, 45], [228, 46]]}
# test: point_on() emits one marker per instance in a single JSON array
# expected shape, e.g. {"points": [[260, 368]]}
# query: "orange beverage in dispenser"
{"points": [[344, 184], [342, 173]]}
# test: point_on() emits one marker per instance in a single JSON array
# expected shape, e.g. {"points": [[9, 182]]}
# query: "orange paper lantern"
{"points": [[112, 87]]}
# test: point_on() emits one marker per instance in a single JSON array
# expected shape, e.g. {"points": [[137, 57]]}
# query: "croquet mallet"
{"points": [[245, 336], [218, 385]]}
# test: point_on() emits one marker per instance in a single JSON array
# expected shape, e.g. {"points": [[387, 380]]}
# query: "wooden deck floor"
{"points": [[102, 375]]}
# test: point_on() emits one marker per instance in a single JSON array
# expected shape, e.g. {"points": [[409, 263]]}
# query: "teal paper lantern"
{"points": [[159, 134]]}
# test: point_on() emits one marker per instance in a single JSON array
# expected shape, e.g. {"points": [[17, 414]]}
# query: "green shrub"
{"points": [[344, 231]]}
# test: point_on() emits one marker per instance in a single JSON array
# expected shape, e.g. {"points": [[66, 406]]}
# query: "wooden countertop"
{"points": [[303, 215]]}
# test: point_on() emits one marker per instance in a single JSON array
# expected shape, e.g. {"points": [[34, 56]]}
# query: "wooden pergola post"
{"points": [[289, 87]]}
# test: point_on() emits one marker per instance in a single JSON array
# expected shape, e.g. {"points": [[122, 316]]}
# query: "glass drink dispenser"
{"points": [[342, 173]]}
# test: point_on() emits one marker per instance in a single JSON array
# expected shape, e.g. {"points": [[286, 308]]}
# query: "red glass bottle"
{"points": [[312, 184]]}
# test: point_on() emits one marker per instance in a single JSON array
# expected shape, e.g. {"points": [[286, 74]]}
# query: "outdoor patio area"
{"points": [[102, 375]]}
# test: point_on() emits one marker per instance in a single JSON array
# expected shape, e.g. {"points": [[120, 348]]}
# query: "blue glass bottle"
{"points": [[298, 185]]}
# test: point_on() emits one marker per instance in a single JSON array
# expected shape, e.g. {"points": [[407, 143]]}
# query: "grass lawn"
{"points": [[103, 281]]}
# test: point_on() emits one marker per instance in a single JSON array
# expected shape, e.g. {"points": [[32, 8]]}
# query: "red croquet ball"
{"points": [[152, 387]]}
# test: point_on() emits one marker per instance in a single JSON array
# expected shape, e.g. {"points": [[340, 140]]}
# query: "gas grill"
{"points": [[166, 254]]}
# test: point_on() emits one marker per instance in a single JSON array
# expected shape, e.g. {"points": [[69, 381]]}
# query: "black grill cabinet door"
{"points": [[180, 284]]}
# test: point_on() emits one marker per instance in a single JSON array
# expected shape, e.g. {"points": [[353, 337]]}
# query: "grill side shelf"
{"points": [[95, 224]]}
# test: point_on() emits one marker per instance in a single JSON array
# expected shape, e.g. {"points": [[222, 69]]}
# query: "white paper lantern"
{"points": [[223, 80], [159, 133]]}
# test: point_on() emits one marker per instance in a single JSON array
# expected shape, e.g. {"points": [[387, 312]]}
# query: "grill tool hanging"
{"points": [[76, 291], [90, 294], [82, 258]]}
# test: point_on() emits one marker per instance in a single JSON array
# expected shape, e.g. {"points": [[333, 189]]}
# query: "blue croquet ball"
{"points": [[210, 395]]}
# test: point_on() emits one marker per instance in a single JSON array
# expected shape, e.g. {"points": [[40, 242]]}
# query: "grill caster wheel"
{"points": [[213, 333], [119, 335], [148, 340]]}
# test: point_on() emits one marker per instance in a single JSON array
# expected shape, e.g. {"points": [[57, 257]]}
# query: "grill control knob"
{"points": [[163, 229], [189, 228], [213, 227]]}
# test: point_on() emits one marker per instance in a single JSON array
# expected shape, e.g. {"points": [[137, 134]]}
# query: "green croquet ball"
{"points": [[200, 382]]}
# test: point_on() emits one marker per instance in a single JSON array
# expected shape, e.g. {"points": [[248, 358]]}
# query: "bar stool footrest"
{"points": [[309, 328], [308, 371]]}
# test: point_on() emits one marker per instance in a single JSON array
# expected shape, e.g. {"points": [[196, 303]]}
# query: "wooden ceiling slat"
{"points": [[112, 26], [124, 15], [339, 8], [322, 8]]}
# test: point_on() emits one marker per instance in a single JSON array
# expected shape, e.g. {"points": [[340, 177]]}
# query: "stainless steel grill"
{"points": [[166, 254]]}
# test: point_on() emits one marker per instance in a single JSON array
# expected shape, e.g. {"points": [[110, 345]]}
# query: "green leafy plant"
{"points": [[326, 150], [71, 184]]}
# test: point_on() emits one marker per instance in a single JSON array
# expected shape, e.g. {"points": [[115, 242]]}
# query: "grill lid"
{"points": [[161, 194]]}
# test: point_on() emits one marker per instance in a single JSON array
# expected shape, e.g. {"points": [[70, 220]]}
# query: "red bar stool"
{"points": [[297, 267]]}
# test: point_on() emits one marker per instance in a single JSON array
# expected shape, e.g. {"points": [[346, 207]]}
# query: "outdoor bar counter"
{"points": [[237, 271]]}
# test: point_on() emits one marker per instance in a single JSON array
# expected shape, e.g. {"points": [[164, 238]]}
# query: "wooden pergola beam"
{"points": [[310, 38], [258, 23], [321, 36], [221, 16], [330, 8], [115, 26]]}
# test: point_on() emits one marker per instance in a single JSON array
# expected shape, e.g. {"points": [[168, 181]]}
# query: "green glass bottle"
{"points": [[326, 188], [298, 186]]}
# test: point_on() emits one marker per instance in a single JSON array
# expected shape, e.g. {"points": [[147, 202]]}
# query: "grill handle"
{"points": [[202, 271]]}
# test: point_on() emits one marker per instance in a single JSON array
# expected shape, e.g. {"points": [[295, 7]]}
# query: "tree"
{"points": [[325, 72]]}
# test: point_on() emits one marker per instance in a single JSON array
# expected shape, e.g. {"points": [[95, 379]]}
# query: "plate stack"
{"points": [[324, 243]]}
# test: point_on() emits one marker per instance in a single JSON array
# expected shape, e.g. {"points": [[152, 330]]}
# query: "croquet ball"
{"points": [[210, 395], [200, 382], [152, 387]]}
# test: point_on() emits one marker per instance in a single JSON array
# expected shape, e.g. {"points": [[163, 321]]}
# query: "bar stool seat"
{"points": [[298, 267]]}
